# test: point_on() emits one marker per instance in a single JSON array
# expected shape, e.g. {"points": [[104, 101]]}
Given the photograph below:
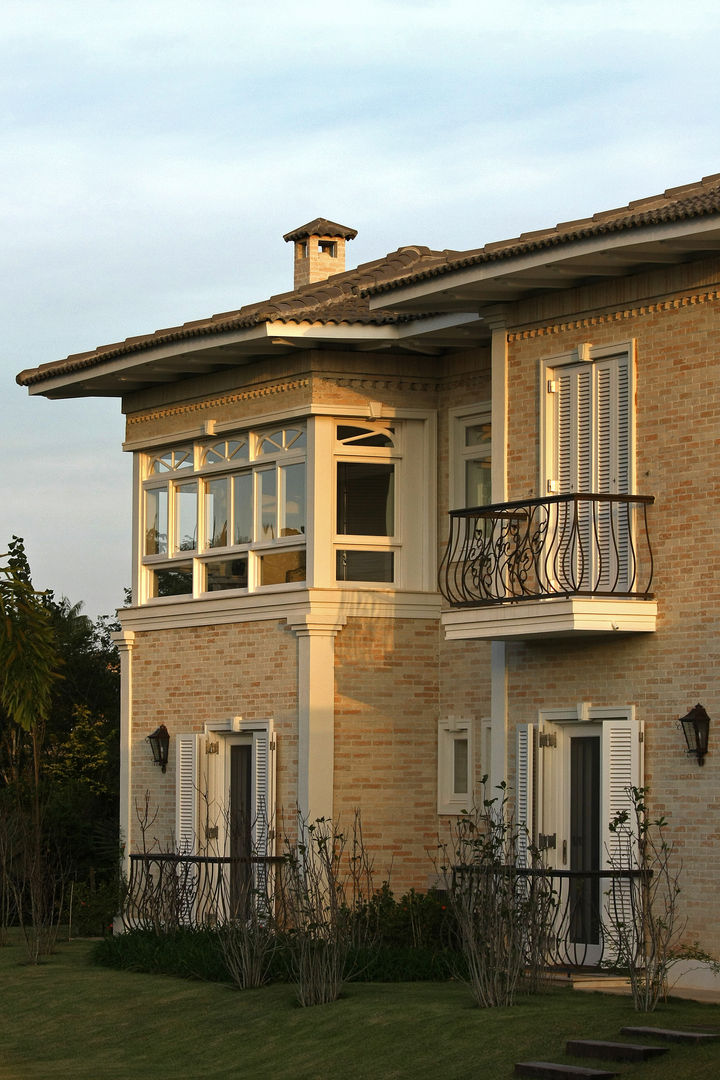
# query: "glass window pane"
{"points": [[228, 574], [364, 566], [242, 508], [186, 516], [365, 499], [156, 521], [177, 581], [270, 443], [237, 450], [362, 436], [267, 508], [478, 434], [294, 510], [216, 512], [460, 766], [282, 567], [478, 491]]}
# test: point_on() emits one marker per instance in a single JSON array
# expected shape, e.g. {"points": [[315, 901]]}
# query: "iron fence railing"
{"points": [[166, 890], [563, 545], [572, 918]]}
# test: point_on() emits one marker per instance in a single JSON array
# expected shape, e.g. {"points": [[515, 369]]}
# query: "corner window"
{"points": [[365, 502], [214, 513]]}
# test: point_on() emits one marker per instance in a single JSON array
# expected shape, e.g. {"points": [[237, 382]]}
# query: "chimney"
{"points": [[319, 250]]}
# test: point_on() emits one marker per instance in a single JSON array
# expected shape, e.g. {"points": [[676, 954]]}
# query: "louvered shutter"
{"points": [[525, 790], [263, 828], [186, 828], [592, 455], [622, 768]]}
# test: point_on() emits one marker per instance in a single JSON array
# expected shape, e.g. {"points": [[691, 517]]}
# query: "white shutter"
{"points": [[592, 453], [524, 790], [263, 789], [186, 830], [622, 768]]}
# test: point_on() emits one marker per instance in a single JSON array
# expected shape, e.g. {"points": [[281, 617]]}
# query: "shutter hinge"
{"points": [[212, 747], [271, 744], [552, 386], [547, 841], [546, 738], [641, 736]]}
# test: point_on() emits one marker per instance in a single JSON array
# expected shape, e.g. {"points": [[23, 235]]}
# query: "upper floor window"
{"points": [[365, 502], [226, 514], [471, 459]]}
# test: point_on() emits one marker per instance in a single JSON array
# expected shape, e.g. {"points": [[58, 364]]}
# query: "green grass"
{"points": [[67, 1018]]}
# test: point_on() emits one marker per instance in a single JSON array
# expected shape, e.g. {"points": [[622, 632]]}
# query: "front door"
{"points": [[584, 912], [573, 777], [240, 827]]}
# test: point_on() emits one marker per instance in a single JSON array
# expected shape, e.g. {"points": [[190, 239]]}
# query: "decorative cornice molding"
{"points": [[215, 402], [372, 383], [705, 297]]}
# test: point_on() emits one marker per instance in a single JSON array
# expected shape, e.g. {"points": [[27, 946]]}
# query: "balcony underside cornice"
{"points": [[557, 617]]}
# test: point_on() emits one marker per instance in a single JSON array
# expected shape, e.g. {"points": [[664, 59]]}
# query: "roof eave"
{"points": [[451, 284]]}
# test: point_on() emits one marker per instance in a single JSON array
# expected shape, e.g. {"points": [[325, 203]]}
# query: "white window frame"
{"points": [[590, 354], [202, 555], [460, 419], [450, 730], [541, 798], [384, 455]]}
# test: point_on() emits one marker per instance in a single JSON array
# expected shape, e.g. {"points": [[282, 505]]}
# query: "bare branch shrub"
{"points": [[328, 892], [644, 926], [503, 914]]}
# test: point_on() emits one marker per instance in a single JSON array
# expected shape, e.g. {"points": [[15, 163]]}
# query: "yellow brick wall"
{"points": [[187, 677], [386, 702], [662, 674]]}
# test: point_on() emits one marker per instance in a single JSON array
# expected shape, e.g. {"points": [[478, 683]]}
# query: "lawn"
{"points": [[70, 1019]]}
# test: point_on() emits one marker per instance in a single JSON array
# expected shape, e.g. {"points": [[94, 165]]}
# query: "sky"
{"points": [[153, 153]]}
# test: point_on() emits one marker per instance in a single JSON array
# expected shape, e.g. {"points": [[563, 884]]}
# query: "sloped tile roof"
{"points": [[336, 301], [675, 204]]}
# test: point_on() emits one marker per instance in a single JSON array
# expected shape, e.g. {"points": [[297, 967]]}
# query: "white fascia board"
{"points": [[351, 332], [546, 257], [298, 607], [129, 361]]}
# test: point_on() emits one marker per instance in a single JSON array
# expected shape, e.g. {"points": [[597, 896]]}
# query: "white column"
{"points": [[498, 684], [316, 716]]}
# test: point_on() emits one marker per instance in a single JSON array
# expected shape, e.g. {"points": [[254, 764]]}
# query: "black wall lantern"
{"points": [[160, 744], [696, 725]]}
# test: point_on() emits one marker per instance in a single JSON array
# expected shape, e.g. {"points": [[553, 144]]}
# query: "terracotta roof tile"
{"points": [[676, 204], [335, 301], [320, 226]]}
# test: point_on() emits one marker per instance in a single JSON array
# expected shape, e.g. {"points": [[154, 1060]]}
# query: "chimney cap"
{"points": [[321, 227]]}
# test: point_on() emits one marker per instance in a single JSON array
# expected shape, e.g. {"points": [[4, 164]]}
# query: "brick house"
{"points": [[295, 465]]}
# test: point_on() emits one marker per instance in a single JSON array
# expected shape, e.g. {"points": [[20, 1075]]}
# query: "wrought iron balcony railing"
{"points": [[563, 545], [166, 890], [571, 918]]}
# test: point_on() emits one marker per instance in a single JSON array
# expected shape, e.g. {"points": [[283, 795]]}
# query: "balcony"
{"points": [[552, 567]]}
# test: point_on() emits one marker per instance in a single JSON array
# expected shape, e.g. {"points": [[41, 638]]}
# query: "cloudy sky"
{"points": [[155, 151]]}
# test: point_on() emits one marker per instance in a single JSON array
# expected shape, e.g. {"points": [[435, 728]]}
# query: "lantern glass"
{"points": [[696, 727], [159, 744]]}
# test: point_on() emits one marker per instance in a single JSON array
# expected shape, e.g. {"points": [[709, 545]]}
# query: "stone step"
{"points": [[613, 1051], [550, 1070], [668, 1035]]}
